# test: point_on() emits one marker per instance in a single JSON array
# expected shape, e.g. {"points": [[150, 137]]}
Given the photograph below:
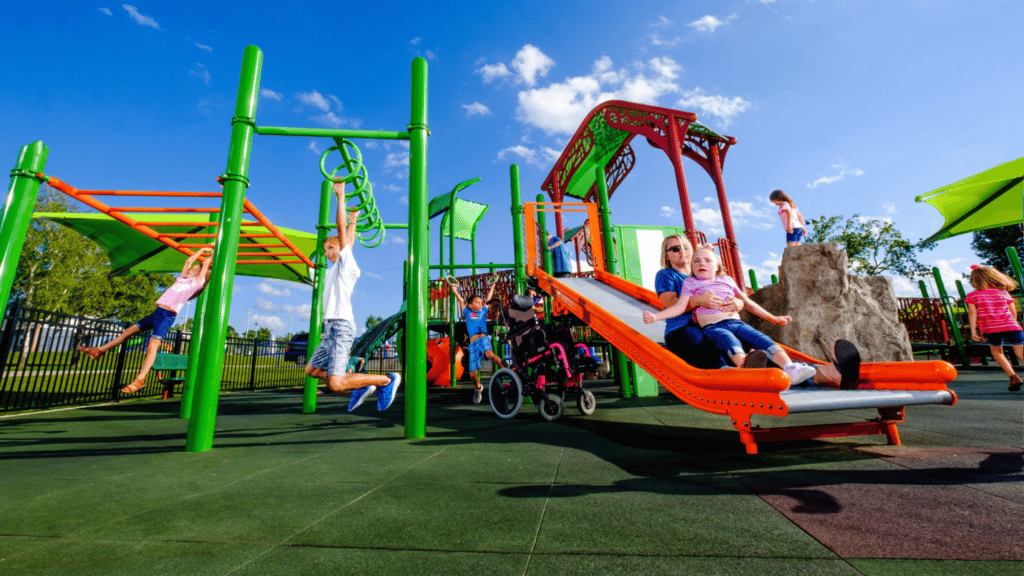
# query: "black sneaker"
{"points": [[1015, 384], [847, 362]]}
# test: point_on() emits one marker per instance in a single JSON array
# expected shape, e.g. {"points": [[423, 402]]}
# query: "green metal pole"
{"points": [[235, 179], [622, 369], [451, 260], [924, 289], [316, 311], [517, 231], [545, 258], [188, 388], [753, 280], [1011, 253], [954, 326], [960, 289], [775, 279], [419, 258], [17, 214]]}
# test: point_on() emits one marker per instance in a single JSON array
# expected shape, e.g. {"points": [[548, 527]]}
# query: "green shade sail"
{"points": [[989, 199], [132, 252], [467, 216]]}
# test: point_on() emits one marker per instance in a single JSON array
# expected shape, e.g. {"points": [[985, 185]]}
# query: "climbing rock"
{"points": [[827, 303]]}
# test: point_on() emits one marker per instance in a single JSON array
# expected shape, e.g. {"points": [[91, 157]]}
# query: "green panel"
{"points": [[627, 247], [467, 216], [989, 199], [132, 252]]}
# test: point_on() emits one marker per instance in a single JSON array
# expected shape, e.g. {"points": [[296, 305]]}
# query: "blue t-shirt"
{"points": [[476, 321], [671, 280], [559, 261]]}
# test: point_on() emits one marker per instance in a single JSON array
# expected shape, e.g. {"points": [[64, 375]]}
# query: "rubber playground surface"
{"points": [[643, 486]]}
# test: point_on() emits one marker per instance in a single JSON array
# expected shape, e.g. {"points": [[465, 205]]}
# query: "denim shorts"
{"points": [[1008, 338], [795, 235], [160, 321], [335, 343], [478, 349]]}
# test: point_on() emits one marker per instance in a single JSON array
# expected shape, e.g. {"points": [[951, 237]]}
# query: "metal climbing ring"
{"points": [[350, 163]]}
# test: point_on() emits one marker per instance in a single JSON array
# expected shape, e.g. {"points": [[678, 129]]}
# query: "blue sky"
{"points": [[851, 107]]}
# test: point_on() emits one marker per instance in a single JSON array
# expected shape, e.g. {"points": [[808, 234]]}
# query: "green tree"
{"points": [[873, 246], [263, 333], [372, 321], [991, 245], [232, 333]]}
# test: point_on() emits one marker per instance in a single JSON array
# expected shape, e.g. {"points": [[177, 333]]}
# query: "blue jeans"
{"points": [[730, 335], [689, 343]]}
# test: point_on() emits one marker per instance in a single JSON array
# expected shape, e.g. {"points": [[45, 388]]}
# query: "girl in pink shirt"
{"points": [[991, 309], [192, 281], [792, 220]]}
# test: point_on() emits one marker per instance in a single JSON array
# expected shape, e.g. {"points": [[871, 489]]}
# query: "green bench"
{"points": [[171, 363]]}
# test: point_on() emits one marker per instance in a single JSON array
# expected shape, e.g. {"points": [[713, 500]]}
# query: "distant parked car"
{"points": [[295, 351]]}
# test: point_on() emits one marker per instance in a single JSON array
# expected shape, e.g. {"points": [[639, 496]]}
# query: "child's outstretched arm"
{"points": [[490, 291], [458, 295], [671, 312], [755, 309], [206, 264], [339, 192], [192, 260], [972, 317]]}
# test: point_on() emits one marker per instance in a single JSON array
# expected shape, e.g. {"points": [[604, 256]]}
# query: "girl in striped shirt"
{"points": [[991, 309]]}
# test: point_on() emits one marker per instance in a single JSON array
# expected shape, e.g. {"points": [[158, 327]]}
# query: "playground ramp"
{"points": [[614, 309]]}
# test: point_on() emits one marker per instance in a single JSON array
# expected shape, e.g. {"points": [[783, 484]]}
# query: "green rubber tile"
{"points": [[372, 461], [258, 510], [311, 561], [669, 517], [111, 558], [458, 467], [404, 515], [585, 564], [611, 464], [875, 567], [13, 546]]}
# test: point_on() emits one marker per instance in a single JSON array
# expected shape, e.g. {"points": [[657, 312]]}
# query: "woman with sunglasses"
{"points": [[683, 337]]}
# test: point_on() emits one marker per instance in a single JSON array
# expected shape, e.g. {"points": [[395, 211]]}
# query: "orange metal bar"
{"points": [[269, 262], [163, 210], [148, 193], [269, 226]]}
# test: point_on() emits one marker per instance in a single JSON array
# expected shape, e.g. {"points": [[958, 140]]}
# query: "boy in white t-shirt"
{"points": [[330, 358]]}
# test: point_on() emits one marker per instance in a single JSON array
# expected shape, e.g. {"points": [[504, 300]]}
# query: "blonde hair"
{"points": [[987, 277], [780, 195], [664, 244], [332, 241], [719, 271]]}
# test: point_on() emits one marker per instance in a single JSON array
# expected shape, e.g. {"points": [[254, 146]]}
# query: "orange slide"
{"points": [[439, 356], [613, 307]]}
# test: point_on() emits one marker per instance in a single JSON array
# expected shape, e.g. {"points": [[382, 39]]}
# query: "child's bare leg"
{"points": [[738, 359], [475, 377], [781, 358], [318, 373], [1018, 350], [97, 352], [494, 358], [340, 382], [147, 364], [1000, 358]]}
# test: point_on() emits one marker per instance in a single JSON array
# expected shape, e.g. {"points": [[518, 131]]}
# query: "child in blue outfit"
{"points": [[475, 313]]}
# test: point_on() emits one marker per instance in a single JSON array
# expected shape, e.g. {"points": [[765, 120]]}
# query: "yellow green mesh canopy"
{"points": [[132, 252], [989, 199], [467, 216]]}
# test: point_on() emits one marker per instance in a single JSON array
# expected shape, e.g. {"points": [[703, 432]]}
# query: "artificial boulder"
{"points": [[827, 303]]}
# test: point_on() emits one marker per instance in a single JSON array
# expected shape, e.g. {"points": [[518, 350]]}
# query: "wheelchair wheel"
{"points": [[552, 408], [586, 402], [506, 393]]}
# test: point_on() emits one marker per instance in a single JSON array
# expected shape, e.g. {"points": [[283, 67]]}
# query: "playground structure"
{"points": [[597, 154]]}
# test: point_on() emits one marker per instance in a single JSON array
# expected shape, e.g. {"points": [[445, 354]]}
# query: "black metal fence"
{"points": [[40, 367]]}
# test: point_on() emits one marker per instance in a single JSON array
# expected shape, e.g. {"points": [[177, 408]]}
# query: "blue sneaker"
{"points": [[387, 394], [358, 395]]}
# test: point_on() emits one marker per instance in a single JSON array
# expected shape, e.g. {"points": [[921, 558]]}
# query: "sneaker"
{"points": [[387, 394], [798, 372], [478, 395], [1015, 384], [358, 395], [847, 362]]}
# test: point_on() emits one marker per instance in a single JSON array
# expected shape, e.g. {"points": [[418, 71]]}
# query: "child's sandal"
{"points": [[1015, 384], [135, 386]]}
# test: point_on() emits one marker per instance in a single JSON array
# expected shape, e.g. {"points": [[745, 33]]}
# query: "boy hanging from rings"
{"points": [[475, 314]]}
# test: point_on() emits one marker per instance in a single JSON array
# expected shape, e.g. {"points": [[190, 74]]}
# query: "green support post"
{"points": [[17, 214], [954, 326], [960, 289], [753, 280], [517, 231], [316, 312], [1011, 253], [451, 297], [545, 259], [924, 289], [188, 388], [622, 369], [775, 279], [419, 259], [235, 179]]}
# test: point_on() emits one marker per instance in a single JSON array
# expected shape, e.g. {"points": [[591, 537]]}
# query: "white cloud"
{"points": [[843, 173], [396, 159], [301, 310], [560, 107], [662, 23], [329, 119], [268, 93], [416, 41], [530, 62], [337, 102], [272, 323], [764, 270], [668, 212], [106, 11], [395, 238], [268, 289], [373, 275], [709, 23], [528, 155], [476, 109], [889, 207], [722, 107], [315, 99], [140, 19], [493, 71], [202, 73], [204, 47], [403, 200], [657, 40], [266, 305], [313, 147], [429, 55], [392, 188]]}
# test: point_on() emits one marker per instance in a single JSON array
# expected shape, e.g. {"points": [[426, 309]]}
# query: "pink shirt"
{"points": [[179, 293], [722, 286], [795, 219], [993, 311]]}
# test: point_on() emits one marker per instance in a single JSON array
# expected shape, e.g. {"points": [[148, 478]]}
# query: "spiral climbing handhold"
{"points": [[355, 174]]}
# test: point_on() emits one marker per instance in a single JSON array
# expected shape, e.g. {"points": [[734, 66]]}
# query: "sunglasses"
{"points": [[674, 249]]}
